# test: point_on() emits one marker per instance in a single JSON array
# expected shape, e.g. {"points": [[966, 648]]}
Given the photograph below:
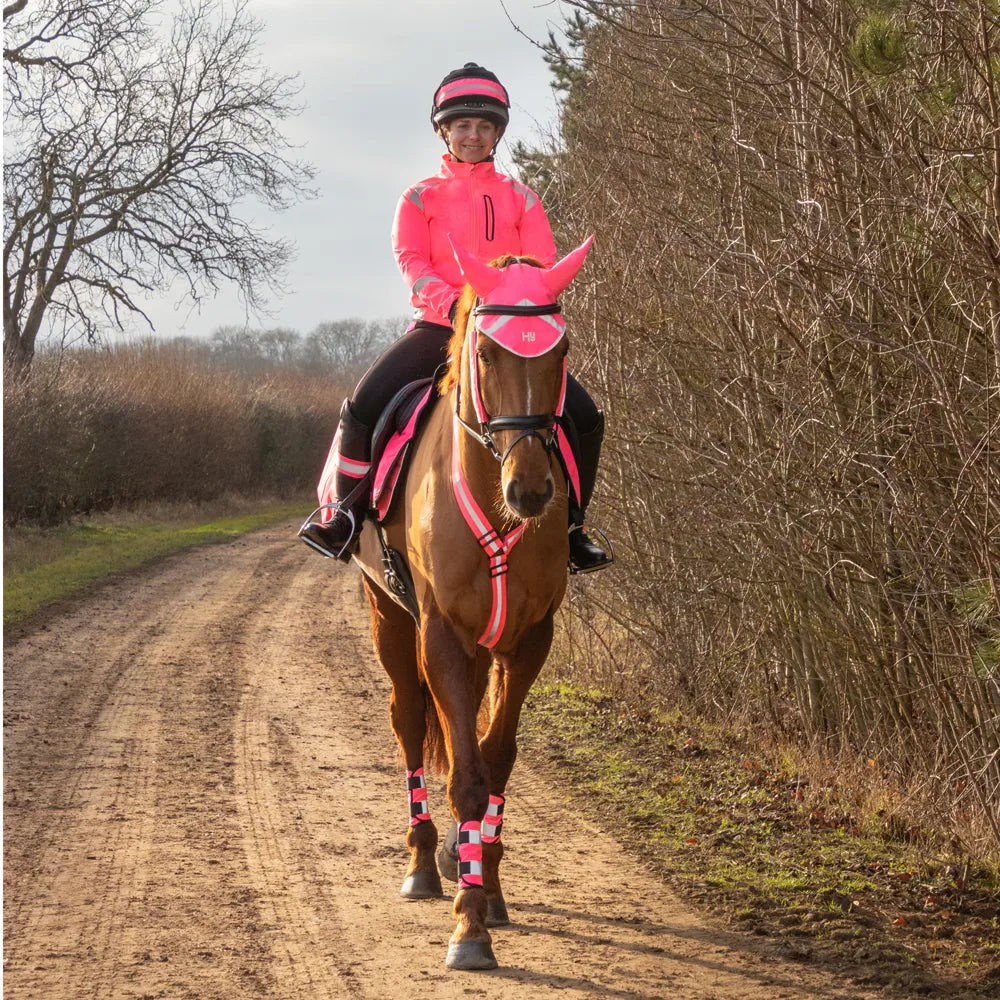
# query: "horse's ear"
{"points": [[482, 277], [558, 277]]}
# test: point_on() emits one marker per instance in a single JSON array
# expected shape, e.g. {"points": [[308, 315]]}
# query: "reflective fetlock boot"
{"points": [[585, 555], [344, 491]]}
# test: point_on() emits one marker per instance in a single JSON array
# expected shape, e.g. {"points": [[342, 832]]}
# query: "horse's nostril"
{"points": [[529, 503]]}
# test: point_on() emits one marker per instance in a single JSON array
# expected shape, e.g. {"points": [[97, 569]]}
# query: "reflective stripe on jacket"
{"points": [[482, 210]]}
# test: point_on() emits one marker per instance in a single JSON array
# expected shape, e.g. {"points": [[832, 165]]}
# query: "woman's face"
{"points": [[470, 139]]}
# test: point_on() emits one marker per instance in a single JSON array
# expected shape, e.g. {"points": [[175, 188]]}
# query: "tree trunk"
{"points": [[18, 350]]}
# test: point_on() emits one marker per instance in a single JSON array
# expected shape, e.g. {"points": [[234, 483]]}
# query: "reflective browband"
{"points": [[488, 310]]}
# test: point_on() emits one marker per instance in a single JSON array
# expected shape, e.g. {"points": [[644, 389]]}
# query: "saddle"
{"points": [[394, 433], [396, 430]]}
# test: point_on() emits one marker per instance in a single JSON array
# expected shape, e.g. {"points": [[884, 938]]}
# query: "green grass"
{"points": [[42, 566], [766, 849]]}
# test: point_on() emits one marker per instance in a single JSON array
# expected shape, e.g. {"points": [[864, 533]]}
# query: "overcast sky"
{"points": [[368, 70]]}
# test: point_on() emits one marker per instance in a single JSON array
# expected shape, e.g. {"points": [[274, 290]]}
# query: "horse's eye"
{"points": [[481, 354]]}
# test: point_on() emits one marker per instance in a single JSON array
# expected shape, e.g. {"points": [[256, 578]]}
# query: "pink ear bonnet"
{"points": [[518, 305]]}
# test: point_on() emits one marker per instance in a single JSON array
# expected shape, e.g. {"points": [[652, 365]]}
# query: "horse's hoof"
{"points": [[422, 885], [470, 954], [496, 912], [447, 858]]}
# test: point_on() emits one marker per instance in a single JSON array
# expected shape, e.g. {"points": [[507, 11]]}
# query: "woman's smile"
{"points": [[471, 139]]}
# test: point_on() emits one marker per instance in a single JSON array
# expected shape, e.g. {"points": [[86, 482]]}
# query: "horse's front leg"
{"points": [[394, 636], [452, 673], [407, 708], [512, 676]]}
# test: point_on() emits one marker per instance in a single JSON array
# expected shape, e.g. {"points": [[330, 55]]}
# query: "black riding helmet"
{"points": [[471, 91]]}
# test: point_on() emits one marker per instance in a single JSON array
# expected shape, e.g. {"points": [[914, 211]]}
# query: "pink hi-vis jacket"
{"points": [[480, 209]]}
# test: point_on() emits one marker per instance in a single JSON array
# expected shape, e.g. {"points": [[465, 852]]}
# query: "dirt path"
{"points": [[203, 801]]}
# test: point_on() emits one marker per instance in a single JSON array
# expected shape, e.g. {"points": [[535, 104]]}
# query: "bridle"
{"points": [[540, 425], [545, 426]]}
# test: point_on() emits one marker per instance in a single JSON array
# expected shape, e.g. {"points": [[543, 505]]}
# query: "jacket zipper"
{"points": [[490, 218]]}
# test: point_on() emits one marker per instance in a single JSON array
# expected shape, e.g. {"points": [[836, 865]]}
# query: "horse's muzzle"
{"points": [[528, 503]]}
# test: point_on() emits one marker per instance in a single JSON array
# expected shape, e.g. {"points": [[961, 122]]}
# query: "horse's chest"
{"points": [[518, 598]]}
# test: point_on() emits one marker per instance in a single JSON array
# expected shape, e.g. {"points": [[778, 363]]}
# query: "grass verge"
{"points": [[761, 850], [44, 565]]}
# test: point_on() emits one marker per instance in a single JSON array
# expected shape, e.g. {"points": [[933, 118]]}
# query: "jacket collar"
{"points": [[450, 167]]}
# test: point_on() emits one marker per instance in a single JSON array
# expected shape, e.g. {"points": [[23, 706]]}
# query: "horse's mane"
{"points": [[462, 310]]}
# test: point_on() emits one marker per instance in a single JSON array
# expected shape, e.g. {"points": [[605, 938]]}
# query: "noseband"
{"points": [[528, 425]]}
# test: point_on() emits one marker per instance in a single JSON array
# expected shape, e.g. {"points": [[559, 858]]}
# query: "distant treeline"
{"points": [[246, 411], [344, 346], [793, 320]]}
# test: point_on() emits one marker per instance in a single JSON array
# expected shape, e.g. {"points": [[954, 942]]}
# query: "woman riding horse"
{"points": [[489, 214], [482, 531]]}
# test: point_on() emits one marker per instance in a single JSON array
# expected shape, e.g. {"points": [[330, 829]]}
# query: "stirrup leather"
{"points": [[337, 507], [609, 551]]}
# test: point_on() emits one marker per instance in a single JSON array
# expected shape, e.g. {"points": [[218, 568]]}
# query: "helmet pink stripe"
{"points": [[468, 87]]}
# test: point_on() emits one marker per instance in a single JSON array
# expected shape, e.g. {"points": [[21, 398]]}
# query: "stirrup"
{"points": [[311, 520], [610, 551]]}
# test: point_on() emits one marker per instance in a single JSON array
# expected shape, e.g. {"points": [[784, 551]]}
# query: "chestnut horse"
{"points": [[483, 532]]}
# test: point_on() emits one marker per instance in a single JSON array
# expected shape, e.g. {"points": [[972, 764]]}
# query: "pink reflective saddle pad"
{"points": [[397, 429]]}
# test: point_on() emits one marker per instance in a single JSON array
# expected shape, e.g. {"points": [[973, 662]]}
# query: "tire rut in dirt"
{"points": [[134, 826], [204, 800], [299, 910]]}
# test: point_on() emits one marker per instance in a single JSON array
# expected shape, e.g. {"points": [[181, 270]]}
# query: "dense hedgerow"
{"points": [[792, 318], [88, 430]]}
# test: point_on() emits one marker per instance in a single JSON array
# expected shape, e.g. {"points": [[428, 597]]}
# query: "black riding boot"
{"points": [[351, 454], [586, 556]]}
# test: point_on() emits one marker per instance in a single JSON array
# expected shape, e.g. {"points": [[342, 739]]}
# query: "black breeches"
{"points": [[580, 407], [417, 354]]}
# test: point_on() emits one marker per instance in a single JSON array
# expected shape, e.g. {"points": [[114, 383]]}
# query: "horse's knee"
{"points": [[407, 717], [401, 715], [469, 790]]}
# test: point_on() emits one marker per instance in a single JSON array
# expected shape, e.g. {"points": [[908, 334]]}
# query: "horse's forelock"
{"points": [[462, 310], [507, 259]]}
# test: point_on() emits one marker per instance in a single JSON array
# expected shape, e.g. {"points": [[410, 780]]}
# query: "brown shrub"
{"points": [[88, 430], [793, 320]]}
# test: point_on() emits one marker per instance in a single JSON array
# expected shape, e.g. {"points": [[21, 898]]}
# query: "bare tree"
{"points": [[132, 135], [237, 346], [280, 345], [350, 345]]}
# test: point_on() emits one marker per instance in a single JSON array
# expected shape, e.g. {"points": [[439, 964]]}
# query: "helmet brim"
{"points": [[473, 109]]}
